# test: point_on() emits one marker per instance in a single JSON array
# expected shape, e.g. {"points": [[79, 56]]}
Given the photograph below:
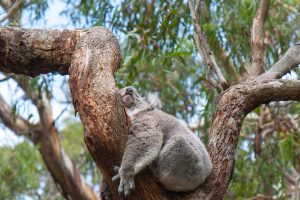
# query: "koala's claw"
{"points": [[117, 176], [126, 186], [116, 169]]}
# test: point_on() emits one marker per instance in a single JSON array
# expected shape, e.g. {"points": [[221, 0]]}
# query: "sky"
{"points": [[52, 20]]}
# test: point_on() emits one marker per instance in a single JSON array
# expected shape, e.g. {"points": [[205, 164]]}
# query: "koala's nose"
{"points": [[129, 90]]}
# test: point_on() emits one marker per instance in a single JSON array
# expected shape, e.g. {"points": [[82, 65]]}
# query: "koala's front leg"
{"points": [[142, 148]]}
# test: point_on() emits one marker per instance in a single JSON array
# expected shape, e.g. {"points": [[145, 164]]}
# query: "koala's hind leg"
{"points": [[180, 166]]}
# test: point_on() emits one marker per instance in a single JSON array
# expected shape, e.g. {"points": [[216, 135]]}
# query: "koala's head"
{"points": [[131, 97]]}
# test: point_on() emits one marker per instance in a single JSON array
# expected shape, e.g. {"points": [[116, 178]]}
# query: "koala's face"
{"points": [[129, 96]]}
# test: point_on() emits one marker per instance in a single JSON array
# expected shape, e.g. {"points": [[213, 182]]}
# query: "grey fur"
{"points": [[156, 139]]}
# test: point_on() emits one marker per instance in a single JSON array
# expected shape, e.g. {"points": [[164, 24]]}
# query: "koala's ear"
{"points": [[153, 100]]}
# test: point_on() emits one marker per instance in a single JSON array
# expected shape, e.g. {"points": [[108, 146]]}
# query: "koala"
{"points": [[162, 142]]}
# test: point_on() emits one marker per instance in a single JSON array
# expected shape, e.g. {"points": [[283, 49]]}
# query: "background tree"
{"points": [[43, 134], [159, 35]]}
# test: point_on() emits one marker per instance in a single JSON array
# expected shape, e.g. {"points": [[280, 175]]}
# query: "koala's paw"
{"points": [[117, 176], [126, 184]]}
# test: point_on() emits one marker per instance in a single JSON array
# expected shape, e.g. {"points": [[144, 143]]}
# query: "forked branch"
{"points": [[284, 65], [12, 10], [204, 48]]}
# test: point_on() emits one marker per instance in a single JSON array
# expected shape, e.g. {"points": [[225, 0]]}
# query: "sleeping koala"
{"points": [[156, 139]]}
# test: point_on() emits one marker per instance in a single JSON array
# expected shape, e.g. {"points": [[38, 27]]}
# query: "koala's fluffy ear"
{"points": [[153, 100]]}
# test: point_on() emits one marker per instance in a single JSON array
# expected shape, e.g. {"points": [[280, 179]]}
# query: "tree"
{"points": [[44, 134], [95, 60]]}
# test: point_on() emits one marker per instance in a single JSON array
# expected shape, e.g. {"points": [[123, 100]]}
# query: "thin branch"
{"points": [[257, 34], [228, 65], [284, 65], [60, 114], [6, 78], [203, 46], [12, 121], [11, 11]]}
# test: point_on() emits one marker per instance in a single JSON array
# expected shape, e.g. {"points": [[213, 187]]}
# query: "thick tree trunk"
{"points": [[95, 61]]}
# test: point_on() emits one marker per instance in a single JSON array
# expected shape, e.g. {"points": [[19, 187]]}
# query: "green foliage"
{"points": [[286, 148], [73, 143], [36, 8], [20, 171]]}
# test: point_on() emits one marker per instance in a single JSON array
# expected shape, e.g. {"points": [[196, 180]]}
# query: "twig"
{"points": [[228, 65], [257, 34], [203, 47], [60, 114], [284, 65], [6, 78]]}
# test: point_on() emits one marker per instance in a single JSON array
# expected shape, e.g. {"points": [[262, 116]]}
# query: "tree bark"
{"points": [[95, 60], [33, 52], [257, 39]]}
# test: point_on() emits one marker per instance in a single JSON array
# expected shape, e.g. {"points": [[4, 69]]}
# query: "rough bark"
{"points": [[33, 52], [95, 61], [234, 104]]}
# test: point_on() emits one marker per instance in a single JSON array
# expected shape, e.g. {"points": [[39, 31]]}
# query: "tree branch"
{"points": [[203, 46], [228, 65], [257, 34], [231, 109], [14, 122], [284, 65], [12, 10], [33, 52]]}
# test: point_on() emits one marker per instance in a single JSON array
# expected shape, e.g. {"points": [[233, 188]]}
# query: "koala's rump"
{"points": [[179, 166], [183, 162]]}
